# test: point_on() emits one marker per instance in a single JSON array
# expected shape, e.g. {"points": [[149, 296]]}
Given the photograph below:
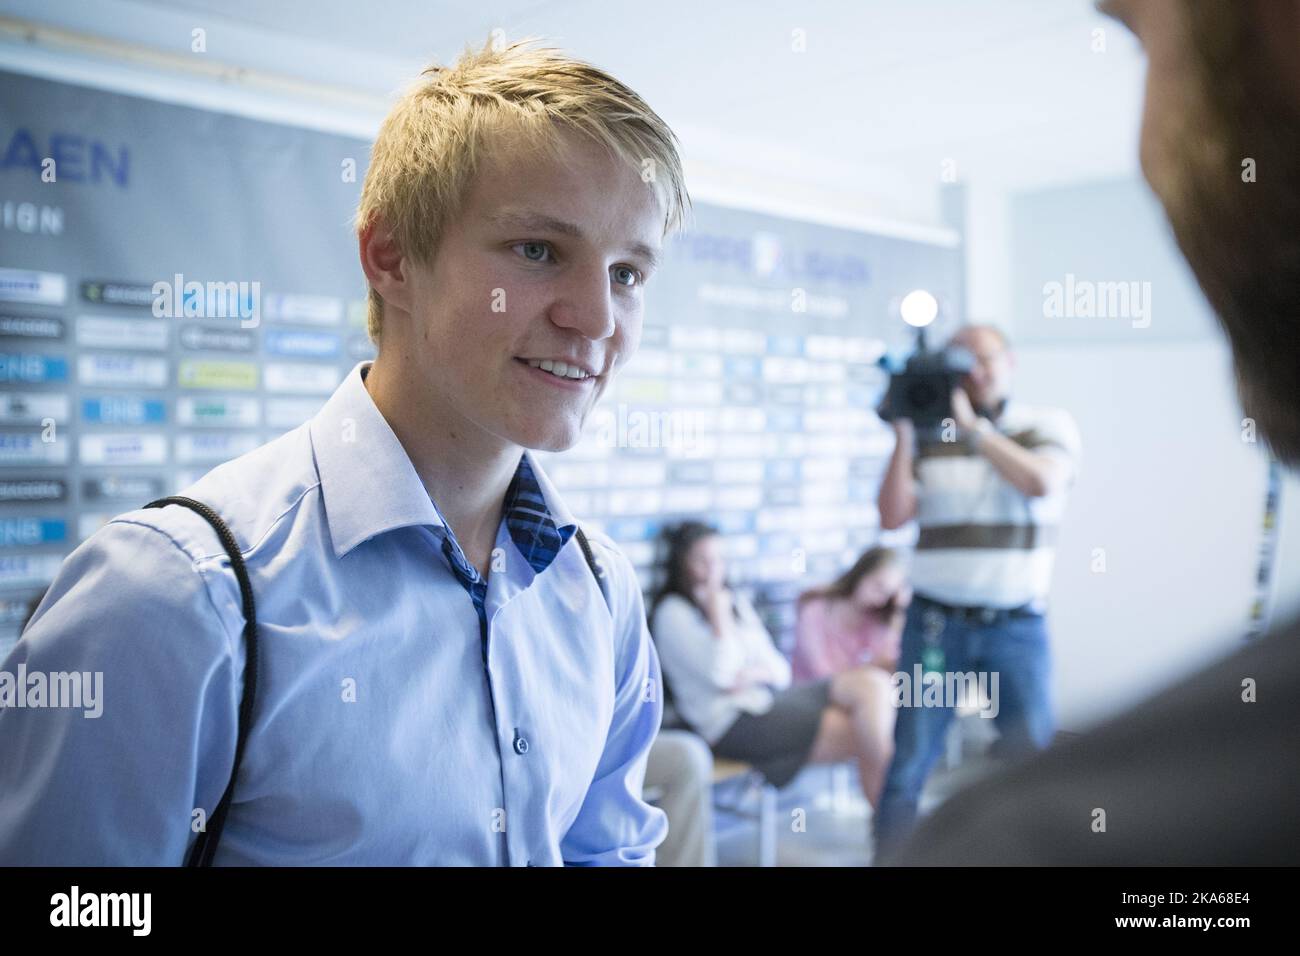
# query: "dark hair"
{"points": [[678, 541], [871, 561]]}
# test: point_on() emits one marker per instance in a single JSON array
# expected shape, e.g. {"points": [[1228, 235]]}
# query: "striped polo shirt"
{"points": [[980, 541]]}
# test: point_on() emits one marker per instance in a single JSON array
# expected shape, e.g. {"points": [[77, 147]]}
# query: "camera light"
{"points": [[919, 308]]}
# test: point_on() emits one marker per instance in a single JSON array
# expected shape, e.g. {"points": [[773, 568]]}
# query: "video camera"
{"points": [[922, 390]]}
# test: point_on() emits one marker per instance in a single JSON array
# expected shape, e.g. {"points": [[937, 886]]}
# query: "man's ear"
{"points": [[381, 261]]}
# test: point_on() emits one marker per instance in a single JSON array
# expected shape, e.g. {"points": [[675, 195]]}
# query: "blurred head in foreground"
{"points": [[1221, 150]]}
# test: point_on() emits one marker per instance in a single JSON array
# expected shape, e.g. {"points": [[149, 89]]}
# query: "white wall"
{"points": [[1174, 498], [988, 254], [1168, 488]]}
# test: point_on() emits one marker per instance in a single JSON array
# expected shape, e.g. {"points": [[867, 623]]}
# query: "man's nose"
{"points": [[585, 304]]}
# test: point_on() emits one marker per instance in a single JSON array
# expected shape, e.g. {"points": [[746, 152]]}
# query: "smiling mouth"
{"points": [[559, 372]]}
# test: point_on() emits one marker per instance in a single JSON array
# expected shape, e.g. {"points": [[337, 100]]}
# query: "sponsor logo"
{"points": [[32, 489], [31, 327], [43, 288], [96, 332], [117, 293], [308, 309], [32, 408], [30, 367], [234, 412], [310, 344], [123, 449], [135, 487], [23, 571], [290, 412], [212, 449], [767, 256], [199, 374], [198, 338], [77, 158], [121, 370], [28, 531], [123, 410], [27, 448], [284, 377]]}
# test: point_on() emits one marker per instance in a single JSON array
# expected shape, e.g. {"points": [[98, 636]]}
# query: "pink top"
{"points": [[822, 648]]}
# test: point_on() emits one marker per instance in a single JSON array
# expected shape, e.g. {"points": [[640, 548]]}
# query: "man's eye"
{"points": [[625, 275], [534, 251]]}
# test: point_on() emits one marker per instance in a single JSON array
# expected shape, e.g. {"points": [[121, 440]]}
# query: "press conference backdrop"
{"points": [[748, 404]]}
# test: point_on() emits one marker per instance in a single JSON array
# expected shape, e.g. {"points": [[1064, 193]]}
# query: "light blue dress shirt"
{"points": [[386, 731]]}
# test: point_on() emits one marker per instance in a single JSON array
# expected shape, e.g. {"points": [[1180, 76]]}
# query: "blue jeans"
{"points": [[1017, 650]]}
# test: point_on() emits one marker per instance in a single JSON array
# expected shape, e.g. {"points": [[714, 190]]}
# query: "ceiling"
{"points": [[1012, 92]]}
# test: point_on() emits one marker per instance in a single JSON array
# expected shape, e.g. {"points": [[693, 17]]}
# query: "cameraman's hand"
{"points": [[897, 496], [963, 412]]}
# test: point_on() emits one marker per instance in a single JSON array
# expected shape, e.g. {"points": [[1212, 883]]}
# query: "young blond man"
{"points": [[440, 676]]}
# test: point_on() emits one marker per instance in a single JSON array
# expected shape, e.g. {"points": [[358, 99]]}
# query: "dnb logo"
{"points": [[76, 158]]}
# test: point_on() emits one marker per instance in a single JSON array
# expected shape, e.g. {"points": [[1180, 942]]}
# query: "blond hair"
{"points": [[431, 143]]}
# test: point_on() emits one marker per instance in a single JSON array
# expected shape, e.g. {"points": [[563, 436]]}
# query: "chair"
{"points": [[748, 779]]}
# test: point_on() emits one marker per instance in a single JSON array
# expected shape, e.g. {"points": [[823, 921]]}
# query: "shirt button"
{"points": [[521, 745]]}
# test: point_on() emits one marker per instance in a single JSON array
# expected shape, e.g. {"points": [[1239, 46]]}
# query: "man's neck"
{"points": [[465, 470]]}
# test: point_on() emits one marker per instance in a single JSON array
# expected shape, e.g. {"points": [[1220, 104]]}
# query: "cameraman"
{"points": [[987, 497]]}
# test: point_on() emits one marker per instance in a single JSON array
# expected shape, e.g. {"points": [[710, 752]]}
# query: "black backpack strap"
{"points": [[595, 567], [671, 718], [205, 847]]}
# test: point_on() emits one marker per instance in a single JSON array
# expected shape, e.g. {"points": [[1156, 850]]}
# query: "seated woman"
{"points": [[855, 620], [733, 687]]}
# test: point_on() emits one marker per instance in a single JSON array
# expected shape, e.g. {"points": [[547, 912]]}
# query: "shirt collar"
{"points": [[369, 485], [538, 531]]}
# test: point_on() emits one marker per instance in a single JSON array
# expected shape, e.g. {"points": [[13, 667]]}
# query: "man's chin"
{"points": [[552, 437]]}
